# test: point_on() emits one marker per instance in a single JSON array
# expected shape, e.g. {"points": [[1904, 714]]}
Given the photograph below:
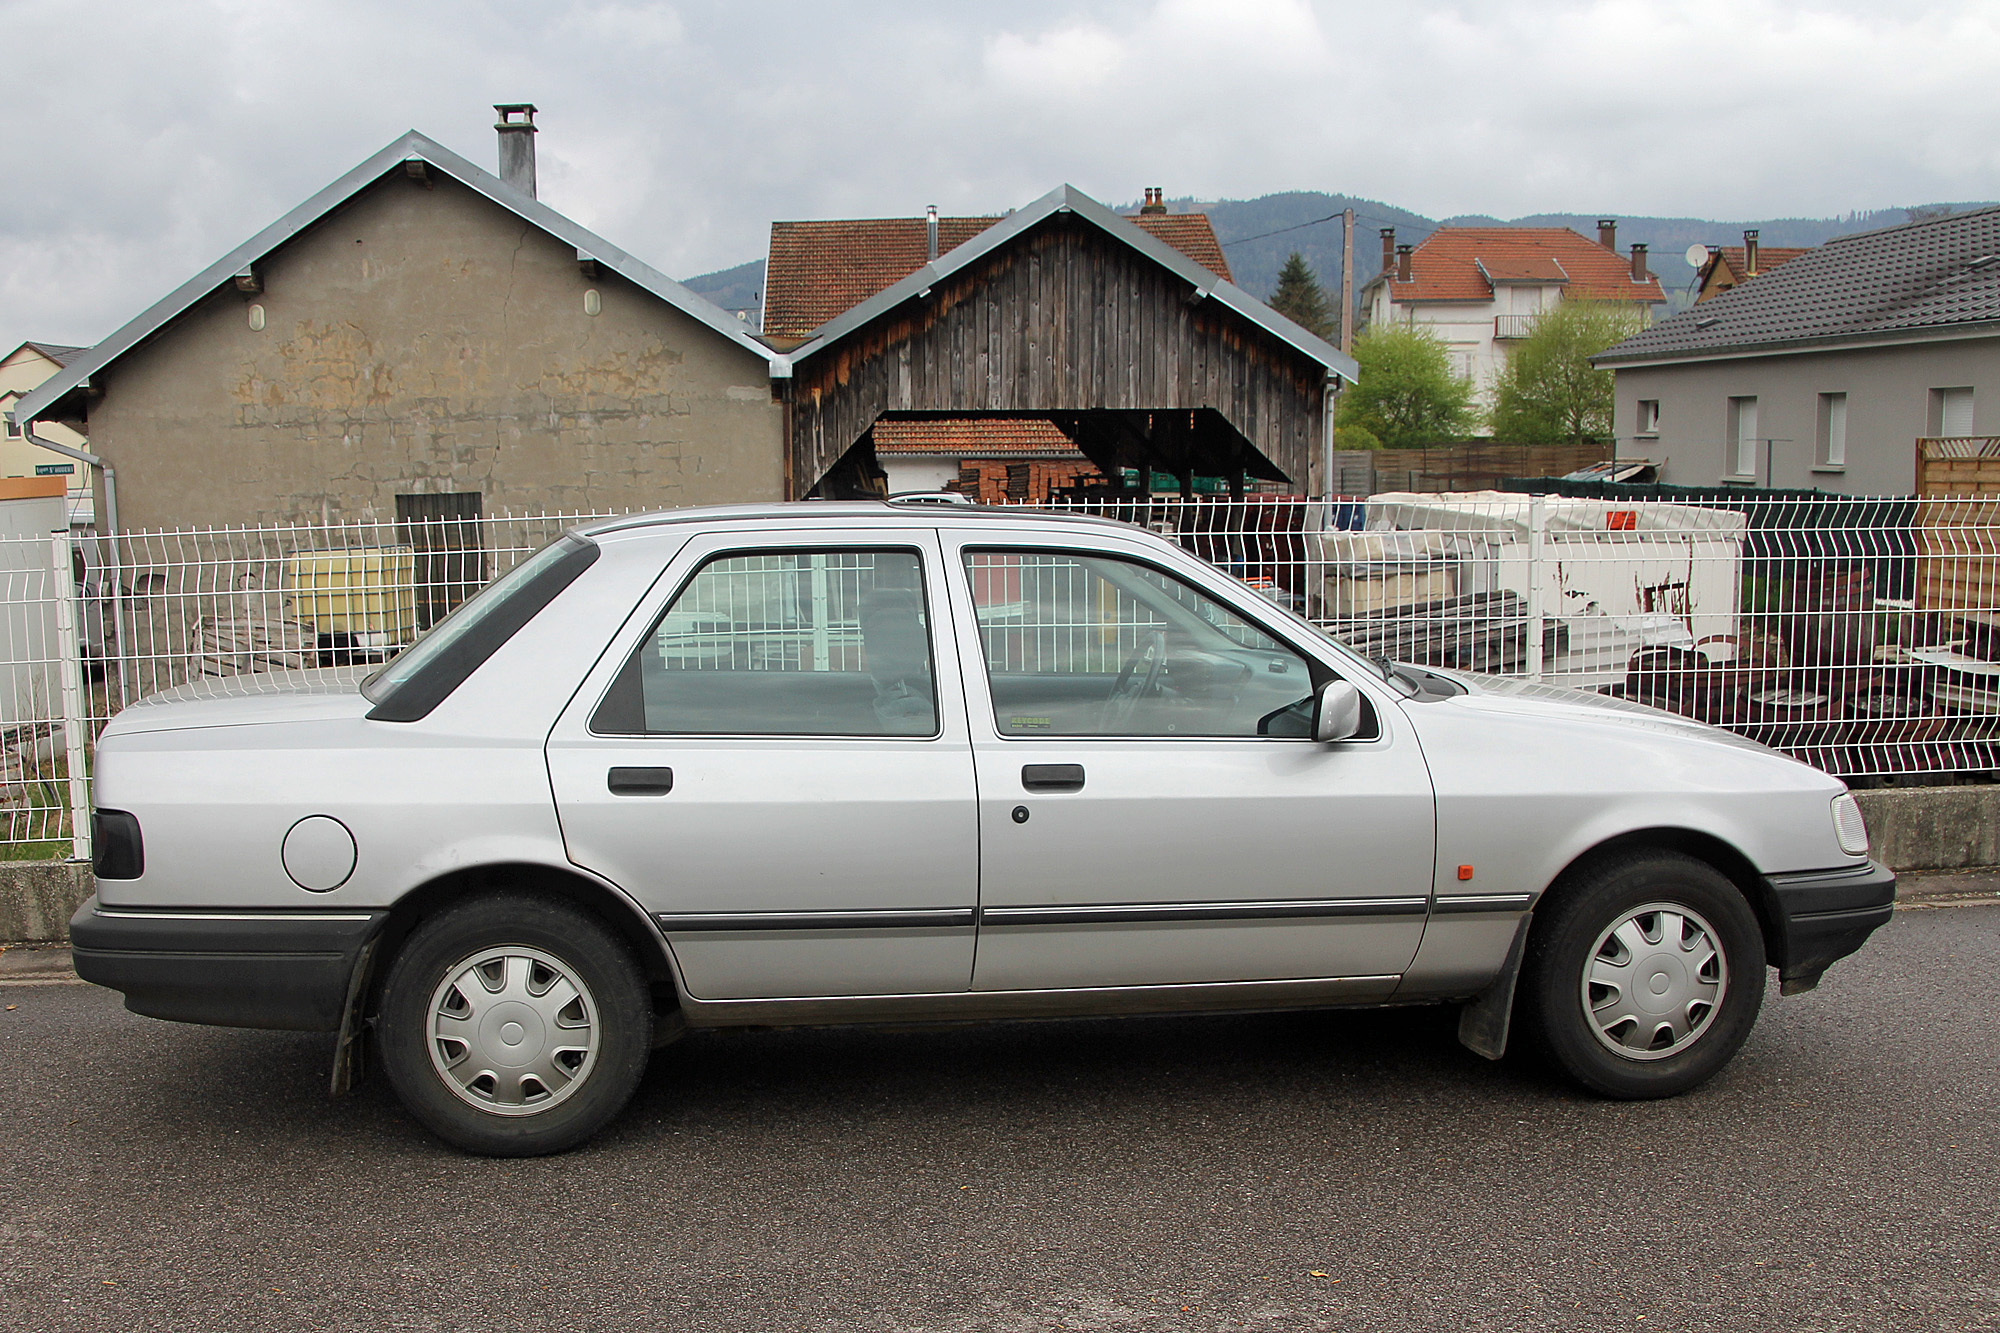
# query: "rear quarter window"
{"points": [[424, 675]]}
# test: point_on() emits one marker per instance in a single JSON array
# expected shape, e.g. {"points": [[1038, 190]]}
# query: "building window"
{"points": [[1830, 439], [13, 426], [1951, 412], [1743, 438], [1649, 416]]}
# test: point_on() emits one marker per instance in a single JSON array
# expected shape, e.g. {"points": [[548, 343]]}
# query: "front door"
{"points": [[776, 766], [1152, 809]]}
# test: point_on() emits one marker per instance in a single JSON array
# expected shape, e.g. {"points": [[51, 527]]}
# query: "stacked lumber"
{"points": [[245, 641]]}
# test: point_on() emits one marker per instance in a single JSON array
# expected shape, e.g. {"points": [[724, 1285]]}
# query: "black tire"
{"points": [[554, 945], [1656, 1052]]}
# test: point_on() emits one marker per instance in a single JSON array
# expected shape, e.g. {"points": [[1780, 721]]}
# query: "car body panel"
{"points": [[1190, 860], [850, 863], [1269, 859]]}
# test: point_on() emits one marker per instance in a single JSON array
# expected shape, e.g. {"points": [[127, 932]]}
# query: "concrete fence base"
{"points": [[37, 897], [1912, 828]]}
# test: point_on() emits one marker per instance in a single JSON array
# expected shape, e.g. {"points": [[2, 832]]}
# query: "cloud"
{"points": [[149, 139]]}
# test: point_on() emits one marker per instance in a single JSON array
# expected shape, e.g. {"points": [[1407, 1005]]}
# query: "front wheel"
{"points": [[514, 1026], [1645, 977]]}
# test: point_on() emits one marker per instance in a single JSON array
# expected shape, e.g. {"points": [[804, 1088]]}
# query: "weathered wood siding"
{"points": [[1064, 318], [1958, 525]]}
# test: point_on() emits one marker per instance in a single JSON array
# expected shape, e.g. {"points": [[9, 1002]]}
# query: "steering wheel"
{"points": [[1131, 686]]}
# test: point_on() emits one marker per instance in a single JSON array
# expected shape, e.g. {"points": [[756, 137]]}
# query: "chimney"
{"points": [[930, 232], [1156, 200], [1750, 253], [1402, 263], [517, 145], [1607, 234], [1639, 273], [1388, 248]]}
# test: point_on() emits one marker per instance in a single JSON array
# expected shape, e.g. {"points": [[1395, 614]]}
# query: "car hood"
{"points": [[248, 700], [1526, 698]]}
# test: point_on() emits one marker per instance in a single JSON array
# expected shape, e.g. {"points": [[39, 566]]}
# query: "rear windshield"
{"points": [[424, 674]]}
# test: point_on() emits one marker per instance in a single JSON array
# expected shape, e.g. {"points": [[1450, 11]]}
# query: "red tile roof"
{"points": [[1463, 263], [819, 269], [974, 437]]}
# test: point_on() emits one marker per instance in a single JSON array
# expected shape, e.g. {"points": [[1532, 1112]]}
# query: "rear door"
{"points": [[1152, 810], [773, 759]]}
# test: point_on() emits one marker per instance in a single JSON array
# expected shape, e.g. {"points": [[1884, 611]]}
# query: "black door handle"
{"points": [[640, 781], [1052, 777]]}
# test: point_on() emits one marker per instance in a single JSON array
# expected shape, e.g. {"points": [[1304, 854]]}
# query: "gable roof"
{"points": [[1936, 278], [1464, 264], [411, 147], [1731, 265], [55, 352], [1068, 199], [817, 269], [973, 437]]}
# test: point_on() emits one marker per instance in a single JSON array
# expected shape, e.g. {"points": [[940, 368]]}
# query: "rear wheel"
{"points": [[1644, 977], [514, 1026]]}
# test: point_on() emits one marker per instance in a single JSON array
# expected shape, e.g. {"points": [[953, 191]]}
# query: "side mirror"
{"points": [[1339, 715]]}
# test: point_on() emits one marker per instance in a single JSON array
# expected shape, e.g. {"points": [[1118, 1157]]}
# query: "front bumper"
{"points": [[1825, 915], [250, 969]]}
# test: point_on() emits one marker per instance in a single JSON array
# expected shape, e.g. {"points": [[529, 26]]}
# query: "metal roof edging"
{"points": [[408, 147], [1855, 342], [1069, 199]]}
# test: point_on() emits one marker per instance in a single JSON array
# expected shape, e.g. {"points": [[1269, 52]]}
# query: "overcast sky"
{"points": [[151, 137]]}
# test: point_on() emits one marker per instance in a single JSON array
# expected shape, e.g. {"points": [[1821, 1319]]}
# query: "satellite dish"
{"points": [[1697, 255]]}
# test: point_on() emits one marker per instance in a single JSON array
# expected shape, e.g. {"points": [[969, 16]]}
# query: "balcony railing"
{"points": [[1512, 326]]}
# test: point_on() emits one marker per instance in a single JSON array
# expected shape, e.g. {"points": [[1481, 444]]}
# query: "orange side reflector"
{"points": [[1465, 872]]}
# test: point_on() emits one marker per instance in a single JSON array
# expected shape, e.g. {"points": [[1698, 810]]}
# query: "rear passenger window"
{"points": [[791, 643]]}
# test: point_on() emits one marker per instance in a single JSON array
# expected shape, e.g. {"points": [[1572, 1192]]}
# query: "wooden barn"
{"points": [[1062, 312]]}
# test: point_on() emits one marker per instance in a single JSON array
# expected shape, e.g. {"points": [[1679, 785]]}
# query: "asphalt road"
{"points": [[1294, 1172]]}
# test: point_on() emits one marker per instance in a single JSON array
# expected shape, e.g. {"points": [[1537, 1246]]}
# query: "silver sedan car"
{"points": [[834, 763]]}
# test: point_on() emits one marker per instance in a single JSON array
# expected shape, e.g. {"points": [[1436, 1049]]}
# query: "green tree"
{"points": [[1549, 393], [1299, 297], [1407, 395]]}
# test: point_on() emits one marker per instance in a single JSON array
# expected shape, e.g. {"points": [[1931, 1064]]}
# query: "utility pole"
{"points": [[1347, 282]]}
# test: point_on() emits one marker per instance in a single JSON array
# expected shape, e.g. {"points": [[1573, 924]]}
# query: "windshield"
{"points": [[435, 664]]}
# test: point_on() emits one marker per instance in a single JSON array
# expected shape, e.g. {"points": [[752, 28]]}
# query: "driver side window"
{"points": [[1089, 645]]}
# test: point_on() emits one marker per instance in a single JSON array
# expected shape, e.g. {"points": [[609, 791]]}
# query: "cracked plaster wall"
{"points": [[424, 339]]}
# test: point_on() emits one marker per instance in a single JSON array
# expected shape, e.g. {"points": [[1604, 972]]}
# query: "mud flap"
{"points": [[1483, 1022], [350, 1056]]}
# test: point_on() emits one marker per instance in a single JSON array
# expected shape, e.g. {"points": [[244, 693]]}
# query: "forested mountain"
{"points": [[1259, 234]]}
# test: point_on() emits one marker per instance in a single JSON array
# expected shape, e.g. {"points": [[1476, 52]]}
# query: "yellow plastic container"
{"points": [[368, 591]]}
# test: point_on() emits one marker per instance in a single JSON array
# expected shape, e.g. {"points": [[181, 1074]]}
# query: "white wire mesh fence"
{"points": [[148, 612], [1860, 635]]}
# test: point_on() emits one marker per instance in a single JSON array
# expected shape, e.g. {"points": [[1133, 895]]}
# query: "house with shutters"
{"points": [[1479, 288], [1826, 371]]}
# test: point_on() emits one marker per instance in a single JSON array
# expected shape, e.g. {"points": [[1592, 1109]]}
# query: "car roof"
{"points": [[924, 511]]}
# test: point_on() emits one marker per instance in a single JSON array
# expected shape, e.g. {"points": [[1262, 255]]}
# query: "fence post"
{"points": [[69, 667], [1537, 516]]}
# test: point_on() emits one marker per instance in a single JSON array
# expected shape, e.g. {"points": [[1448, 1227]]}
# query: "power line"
{"points": [[1301, 226]]}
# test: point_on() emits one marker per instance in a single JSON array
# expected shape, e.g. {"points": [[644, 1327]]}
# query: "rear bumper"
{"points": [[1825, 915], [250, 969]]}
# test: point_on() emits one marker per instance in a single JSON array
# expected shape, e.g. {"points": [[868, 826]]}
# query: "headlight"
{"points": [[1848, 826]]}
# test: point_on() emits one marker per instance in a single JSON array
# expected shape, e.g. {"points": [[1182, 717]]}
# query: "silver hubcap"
{"points": [[1654, 981], [512, 1030]]}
